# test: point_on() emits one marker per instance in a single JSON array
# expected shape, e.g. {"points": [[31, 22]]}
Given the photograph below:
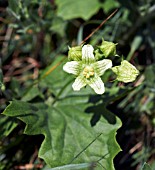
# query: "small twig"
{"points": [[136, 147], [5, 21], [29, 166], [98, 27], [34, 156], [6, 41], [52, 68]]}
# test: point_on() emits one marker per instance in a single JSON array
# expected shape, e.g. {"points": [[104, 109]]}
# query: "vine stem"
{"points": [[99, 27]]}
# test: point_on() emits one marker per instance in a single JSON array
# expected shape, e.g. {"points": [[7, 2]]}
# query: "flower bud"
{"points": [[126, 72], [108, 48], [75, 53], [98, 54]]}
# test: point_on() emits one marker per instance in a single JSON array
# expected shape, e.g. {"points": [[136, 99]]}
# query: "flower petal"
{"points": [[87, 54], [72, 67], [79, 83], [102, 66], [97, 84]]}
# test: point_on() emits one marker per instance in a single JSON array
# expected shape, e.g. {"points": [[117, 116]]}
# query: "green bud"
{"points": [[98, 54], [153, 121], [126, 72], [2, 87], [108, 48], [75, 53]]}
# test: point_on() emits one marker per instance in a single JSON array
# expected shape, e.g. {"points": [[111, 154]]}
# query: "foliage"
{"points": [[146, 167], [67, 129], [62, 122]]}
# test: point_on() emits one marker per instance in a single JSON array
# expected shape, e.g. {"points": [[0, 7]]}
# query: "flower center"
{"points": [[88, 71]]}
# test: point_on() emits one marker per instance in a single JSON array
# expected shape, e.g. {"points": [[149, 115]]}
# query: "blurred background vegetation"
{"points": [[33, 33]]}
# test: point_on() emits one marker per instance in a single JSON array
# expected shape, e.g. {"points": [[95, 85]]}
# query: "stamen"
{"points": [[88, 72]]}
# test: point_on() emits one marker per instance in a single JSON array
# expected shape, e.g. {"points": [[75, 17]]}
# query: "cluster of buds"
{"points": [[88, 66]]}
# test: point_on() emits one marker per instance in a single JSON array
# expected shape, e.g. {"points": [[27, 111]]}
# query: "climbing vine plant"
{"points": [[67, 102], [69, 136]]}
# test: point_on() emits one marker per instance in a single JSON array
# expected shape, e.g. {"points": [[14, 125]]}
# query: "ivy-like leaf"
{"points": [[66, 125], [69, 137], [78, 9]]}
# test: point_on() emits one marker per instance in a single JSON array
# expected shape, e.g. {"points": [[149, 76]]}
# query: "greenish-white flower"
{"points": [[126, 72], [88, 70]]}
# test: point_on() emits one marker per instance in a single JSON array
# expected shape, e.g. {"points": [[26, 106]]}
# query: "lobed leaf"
{"points": [[66, 125], [68, 9]]}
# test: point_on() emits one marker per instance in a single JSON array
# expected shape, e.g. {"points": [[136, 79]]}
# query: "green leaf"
{"points": [[65, 122], [149, 76], [31, 94], [14, 5], [134, 46], [69, 137], [58, 26], [146, 167], [7, 125], [14, 8], [109, 5], [68, 9], [2, 87]]}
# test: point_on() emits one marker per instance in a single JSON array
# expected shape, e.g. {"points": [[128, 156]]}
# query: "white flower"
{"points": [[88, 70]]}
